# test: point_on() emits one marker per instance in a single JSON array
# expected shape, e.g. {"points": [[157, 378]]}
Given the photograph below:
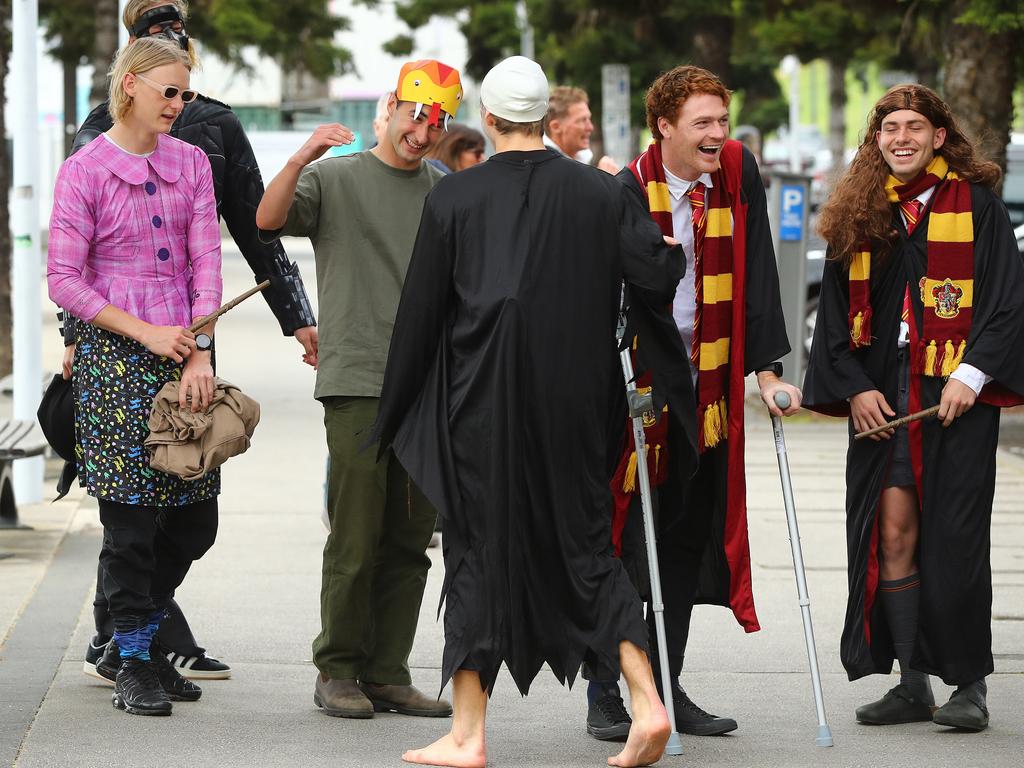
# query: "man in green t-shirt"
{"points": [[361, 213]]}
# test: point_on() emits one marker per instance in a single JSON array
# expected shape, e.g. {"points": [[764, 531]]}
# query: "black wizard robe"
{"points": [[954, 467], [758, 339], [500, 398]]}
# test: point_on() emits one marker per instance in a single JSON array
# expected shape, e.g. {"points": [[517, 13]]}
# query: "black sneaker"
{"points": [[695, 721], [137, 689], [175, 686], [109, 663], [201, 667], [607, 718], [93, 653]]}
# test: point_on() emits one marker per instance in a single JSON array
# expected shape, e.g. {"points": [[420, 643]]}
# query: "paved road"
{"points": [[254, 601]]}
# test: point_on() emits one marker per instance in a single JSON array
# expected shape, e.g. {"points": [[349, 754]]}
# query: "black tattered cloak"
{"points": [[955, 467], [501, 399]]}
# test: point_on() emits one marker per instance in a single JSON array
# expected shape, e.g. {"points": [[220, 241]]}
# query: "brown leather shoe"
{"points": [[341, 698], [405, 700]]}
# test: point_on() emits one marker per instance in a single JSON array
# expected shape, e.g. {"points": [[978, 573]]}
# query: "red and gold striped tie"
{"points": [[698, 212], [912, 210]]}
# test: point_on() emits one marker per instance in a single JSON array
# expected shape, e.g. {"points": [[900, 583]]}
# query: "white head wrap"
{"points": [[516, 89]]}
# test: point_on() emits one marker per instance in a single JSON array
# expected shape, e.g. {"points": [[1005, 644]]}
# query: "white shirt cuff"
{"points": [[971, 376]]}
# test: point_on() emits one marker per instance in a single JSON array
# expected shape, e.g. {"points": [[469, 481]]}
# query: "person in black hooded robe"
{"points": [[500, 398]]}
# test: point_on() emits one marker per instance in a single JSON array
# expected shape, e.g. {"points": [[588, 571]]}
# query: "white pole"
{"points": [[525, 31], [122, 34], [791, 67], [26, 263]]}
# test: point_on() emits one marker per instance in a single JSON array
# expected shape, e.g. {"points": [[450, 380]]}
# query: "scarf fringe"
{"points": [[716, 424], [951, 356]]}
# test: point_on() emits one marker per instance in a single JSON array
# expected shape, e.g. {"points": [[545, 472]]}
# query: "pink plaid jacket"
{"points": [[140, 233]]}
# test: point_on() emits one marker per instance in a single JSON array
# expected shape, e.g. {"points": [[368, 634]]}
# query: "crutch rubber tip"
{"points": [[782, 400], [824, 738], [674, 745]]}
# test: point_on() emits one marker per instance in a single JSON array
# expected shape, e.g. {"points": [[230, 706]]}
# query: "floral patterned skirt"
{"points": [[115, 380]]}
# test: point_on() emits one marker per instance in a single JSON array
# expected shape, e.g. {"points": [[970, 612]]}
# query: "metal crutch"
{"points": [[824, 737], [639, 404]]}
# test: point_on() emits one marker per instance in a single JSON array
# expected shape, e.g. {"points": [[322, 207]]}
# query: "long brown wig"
{"points": [[858, 211]]}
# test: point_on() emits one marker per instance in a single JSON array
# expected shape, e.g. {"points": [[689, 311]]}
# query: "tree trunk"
{"points": [[979, 84], [6, 361], [107, 22], [712, 45], [70, 104], [836, 118]]}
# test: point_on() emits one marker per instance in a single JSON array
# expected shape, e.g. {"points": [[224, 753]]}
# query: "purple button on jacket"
{"points": [[104, 248]]}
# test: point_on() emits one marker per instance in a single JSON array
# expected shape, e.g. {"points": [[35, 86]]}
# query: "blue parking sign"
{"points": [[791, 223]]}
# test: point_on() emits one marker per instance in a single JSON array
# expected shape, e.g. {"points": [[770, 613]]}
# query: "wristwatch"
{"points": [[775, 368], [203, 341]]}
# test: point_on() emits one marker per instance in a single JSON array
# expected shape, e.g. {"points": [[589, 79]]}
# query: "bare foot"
{"points": [[647, 736], [470, 753]]}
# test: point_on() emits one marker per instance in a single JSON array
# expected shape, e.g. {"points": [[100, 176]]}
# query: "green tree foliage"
{"points": [[573, 38], [298, 34], [70, 28]]}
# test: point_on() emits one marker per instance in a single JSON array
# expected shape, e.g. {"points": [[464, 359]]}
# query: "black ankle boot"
{"points": [[137, 689], [175, 686]]}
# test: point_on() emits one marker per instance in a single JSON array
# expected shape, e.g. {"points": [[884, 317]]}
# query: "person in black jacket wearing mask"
{"points": [[238, 186]]}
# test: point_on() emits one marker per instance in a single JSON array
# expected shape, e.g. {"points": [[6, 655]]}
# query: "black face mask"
{"points": [[166, 16]]}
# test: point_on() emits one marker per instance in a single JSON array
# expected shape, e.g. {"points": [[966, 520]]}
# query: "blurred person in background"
{"points": [[568, 127], [460, 148]]}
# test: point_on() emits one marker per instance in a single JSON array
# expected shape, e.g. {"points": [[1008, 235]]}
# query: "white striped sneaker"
{"points": [[199, 667]]}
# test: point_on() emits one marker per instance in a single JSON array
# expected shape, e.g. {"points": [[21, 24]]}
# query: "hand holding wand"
{"points": [[230, 305], [898, 422]]}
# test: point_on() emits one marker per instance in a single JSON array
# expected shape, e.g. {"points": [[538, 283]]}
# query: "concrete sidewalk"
{"points": [[254, 602]]}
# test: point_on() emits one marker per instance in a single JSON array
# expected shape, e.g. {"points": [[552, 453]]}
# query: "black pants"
{"points": [[685, 510], [146, 553]]}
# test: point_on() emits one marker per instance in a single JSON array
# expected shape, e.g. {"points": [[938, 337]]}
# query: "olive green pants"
{"points": [[375, 563]]}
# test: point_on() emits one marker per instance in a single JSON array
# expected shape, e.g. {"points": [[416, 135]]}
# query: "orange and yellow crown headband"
{"points": [[429, 83]]}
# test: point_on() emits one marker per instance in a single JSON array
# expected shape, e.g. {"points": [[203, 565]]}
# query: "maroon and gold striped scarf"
{"points": [[947, 290], [713, 276]]}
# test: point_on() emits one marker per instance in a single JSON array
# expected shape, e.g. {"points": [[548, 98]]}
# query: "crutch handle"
{"points": [[782, 400]]}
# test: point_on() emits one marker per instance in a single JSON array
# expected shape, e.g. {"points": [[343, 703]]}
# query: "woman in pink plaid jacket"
{"points": [[134, 253]]}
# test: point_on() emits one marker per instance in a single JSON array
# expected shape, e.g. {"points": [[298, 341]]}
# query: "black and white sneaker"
{"points": [[607, 718], [93, 653], [200, 667]]}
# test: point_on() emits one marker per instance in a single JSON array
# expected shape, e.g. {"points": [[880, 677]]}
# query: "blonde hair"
{"points": [[143, 55], [133, 9]]}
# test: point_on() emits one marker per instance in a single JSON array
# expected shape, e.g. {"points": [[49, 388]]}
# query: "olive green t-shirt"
{"points": [[362, 216]]}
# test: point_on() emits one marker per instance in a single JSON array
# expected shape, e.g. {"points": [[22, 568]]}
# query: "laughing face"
{"points": [[692, 145], [908, 142], [408, 136]]}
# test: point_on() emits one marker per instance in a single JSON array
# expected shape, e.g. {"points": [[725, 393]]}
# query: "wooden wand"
{"points": [[230, 305], [899, 422]]}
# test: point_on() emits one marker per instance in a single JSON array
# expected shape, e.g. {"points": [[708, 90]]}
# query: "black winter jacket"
{"points": [[238, 186]]}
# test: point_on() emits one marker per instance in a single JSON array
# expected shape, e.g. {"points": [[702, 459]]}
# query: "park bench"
{"points": [[18, 440]]}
